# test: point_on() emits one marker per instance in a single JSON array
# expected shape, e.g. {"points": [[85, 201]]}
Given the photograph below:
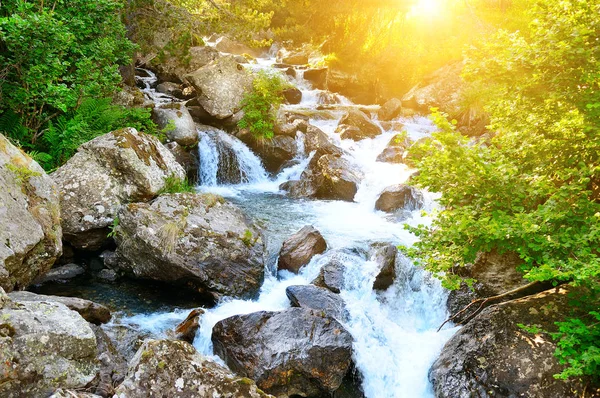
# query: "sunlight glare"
{"points": [[426, 8]]}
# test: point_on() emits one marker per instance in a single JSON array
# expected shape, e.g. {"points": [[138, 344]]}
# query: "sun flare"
{"points": [[426, 8]]}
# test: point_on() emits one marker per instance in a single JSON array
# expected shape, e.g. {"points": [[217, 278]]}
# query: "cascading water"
{"points": [[394, 331]]}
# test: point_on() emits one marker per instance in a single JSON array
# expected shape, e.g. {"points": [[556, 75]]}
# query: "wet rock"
{"points": [[390, 110], [399, 197], [186, 330], [292, 95], [221, 86], [317, 77], [384, 254], [315, 139], [293, 352], [172, 69], [108, 275], [350, 86], [44, 346], [198, 241], [331, 275], [300, 248], [273, 152], [291, 128], [226, 45], [291, 72], [187, 158], [170, 88], [166, 368], [113, 365], [30, 232], [395, 149], [126, 339], [299, 57], [92, 312], [316, 298], [177, 122], [493, 356], [356, 125], [116, 168], [60, 274]]}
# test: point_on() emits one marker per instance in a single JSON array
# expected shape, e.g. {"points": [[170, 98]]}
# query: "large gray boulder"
{"points": [[43, 346], [327, 176], [30, 232], [90, 311], [116, 168], [492, 356], [395, 149], [384, 254], [274, 152], [300, 248], [318, 299], [221, 86], [356, 126], [199, 241], [166, 368], [177, 122], [399, 197], [441, 89], [292, 352], [390, 110]]}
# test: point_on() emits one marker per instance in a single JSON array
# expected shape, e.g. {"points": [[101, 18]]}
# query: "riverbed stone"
{"points": [[60, 274], [317, 77], [292, 95], [384, 254], [221, 86], [113, 366], [30, 231], [300, 248], [317, 298], [273, 152], [186, 329], [399, 197], [390, 110], [44, 346], [197, 241], [493, 356], [176, 121], [356, 125], [395, 149], [90, 311], [119, 167], [293, 352], [167, 368]]}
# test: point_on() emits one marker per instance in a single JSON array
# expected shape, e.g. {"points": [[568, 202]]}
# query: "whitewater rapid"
{"points": [[395, 338]]}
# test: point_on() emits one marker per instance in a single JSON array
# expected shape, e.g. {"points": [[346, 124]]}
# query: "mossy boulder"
{"points": [[199, 241], [44, 346], [30, 231], [116, 168], [166, 368]]}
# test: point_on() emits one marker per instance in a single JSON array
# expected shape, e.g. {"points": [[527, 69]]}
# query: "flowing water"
{"points": [[395, 338]]}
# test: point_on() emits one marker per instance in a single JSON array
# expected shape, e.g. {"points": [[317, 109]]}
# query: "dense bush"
{"points": [[261, 104], [535, 189]]}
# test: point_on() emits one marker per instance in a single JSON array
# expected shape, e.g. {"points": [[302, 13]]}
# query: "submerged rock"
{"points": [[198, 241], [166, 368], [60, 274], [116, 168], [30, 232], [356, 125], [318, 299], [292, 352], [399, 197], [300, 248], [221, 86], [493, 356], [44, 346], [90, 311], [177, 122]]}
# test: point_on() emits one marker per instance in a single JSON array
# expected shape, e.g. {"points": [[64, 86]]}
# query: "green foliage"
{"points": [[262, 103], [113, 227], [174, 184], [535, 189], [578, 346], [55, 54]]}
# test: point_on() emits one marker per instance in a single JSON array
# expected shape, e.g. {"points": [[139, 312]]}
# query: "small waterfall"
{"points": [[226, 160]]}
